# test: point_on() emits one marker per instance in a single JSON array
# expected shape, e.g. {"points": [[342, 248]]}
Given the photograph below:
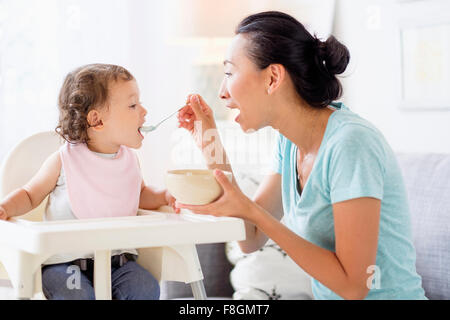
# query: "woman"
{"points": [[336, 179]]}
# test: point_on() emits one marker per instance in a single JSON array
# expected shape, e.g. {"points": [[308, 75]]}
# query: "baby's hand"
{"points": [[171, 202], [4, 215]]}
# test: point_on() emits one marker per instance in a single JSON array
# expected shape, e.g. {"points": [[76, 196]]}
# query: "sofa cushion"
{"points": [[427, 179]]}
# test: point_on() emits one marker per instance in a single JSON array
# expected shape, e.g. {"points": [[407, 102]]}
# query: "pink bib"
{"points": [[101, 187]]}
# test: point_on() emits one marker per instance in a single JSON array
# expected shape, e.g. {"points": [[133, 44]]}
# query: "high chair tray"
{"points": [[148, 229]]}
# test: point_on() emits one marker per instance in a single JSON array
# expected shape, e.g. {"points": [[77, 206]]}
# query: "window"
{"points": [[40, 42]]}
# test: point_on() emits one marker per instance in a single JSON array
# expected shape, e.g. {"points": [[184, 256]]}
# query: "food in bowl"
{"points": [[194, 186]]}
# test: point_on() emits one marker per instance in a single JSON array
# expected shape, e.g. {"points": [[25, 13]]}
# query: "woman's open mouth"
{"points": [[235, 110]]}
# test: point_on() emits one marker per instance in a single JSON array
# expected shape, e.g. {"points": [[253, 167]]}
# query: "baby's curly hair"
{"points": [[83, 90]]}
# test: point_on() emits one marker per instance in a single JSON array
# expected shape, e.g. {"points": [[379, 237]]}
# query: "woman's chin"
{"points": [[247, 129]]}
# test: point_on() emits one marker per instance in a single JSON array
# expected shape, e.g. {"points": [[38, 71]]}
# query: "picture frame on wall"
{"points": [[424, 55]]}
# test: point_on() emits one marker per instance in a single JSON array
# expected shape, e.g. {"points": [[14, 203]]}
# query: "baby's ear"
{"points": [[94, 121]]}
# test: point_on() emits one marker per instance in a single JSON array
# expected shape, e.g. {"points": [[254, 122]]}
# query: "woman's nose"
{"points": [[223, 93]]}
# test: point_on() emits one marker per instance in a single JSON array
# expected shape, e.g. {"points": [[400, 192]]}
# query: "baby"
{"points": [[95, 174]]}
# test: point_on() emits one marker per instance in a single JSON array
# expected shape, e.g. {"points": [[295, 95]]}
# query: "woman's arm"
{"points": [[34, 192], [268, 197], [356, 224], [197, 118]]}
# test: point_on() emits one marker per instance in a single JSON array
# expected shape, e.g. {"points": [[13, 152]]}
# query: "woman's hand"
{"points": [[232, 203], [197, 117]]}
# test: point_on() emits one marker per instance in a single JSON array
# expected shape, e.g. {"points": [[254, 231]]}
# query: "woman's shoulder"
{"points": [[355, 137], [349, 127]]}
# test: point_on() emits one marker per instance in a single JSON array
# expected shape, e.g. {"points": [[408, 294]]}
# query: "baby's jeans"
{"points": [[66, 281]]}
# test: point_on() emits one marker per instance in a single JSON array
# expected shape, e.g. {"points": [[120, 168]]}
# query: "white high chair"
{"points": [[167, 246]]}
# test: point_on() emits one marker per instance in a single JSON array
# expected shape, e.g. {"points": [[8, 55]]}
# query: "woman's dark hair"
{"points": [[278, 38], [84, 89]]}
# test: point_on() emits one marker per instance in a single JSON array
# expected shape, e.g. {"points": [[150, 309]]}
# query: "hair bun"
{"points": [[333, 55]]}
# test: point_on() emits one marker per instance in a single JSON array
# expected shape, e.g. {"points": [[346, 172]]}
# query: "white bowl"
{"points": [[194, 187]]}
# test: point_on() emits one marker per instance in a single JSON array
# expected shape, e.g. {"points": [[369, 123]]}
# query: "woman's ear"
{"points": [[276, 75], [94, 120]]}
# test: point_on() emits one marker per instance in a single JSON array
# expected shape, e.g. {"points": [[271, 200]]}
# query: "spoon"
{"points": [[147, 129]]}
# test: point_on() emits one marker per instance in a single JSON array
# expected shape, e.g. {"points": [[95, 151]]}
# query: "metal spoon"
{"points": [[146, 129]]}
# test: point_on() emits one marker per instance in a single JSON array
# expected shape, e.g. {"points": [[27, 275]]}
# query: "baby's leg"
{"points": [[133, 282], [65, 281]]}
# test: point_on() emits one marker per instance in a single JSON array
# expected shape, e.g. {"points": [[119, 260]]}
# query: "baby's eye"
{"points": [[133, 106], [228, 74]]}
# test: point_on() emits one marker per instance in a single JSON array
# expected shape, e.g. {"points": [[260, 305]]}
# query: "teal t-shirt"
{"points": [[353, 161]]}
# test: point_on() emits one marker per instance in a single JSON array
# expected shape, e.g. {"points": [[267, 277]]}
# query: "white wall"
{"points": [[370, 30], [372, 88], [40, 42], [135, 34], [162, 74]]}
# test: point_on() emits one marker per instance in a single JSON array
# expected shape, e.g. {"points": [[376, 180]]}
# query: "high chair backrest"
{"points": [[24, 161]]}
